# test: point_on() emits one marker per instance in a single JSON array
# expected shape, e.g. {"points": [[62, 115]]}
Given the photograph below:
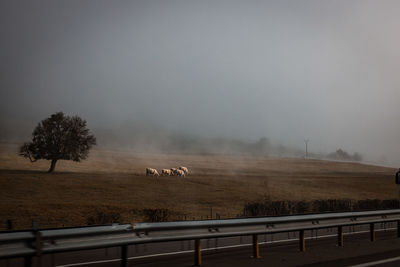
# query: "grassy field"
{"points": [[113, 184]]}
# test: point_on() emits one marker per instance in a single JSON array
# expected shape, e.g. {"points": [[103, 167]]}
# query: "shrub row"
{"points": [[274, 208]]}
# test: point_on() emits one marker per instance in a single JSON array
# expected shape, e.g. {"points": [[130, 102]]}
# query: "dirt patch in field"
{"points": [[111, 185]]}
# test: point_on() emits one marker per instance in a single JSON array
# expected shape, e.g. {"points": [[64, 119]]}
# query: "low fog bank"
{"points": [[157, 140], [154, 139], [146, 137]]}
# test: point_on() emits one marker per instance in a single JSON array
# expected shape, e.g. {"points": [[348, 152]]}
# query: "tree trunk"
{"points": [[52, 165]]}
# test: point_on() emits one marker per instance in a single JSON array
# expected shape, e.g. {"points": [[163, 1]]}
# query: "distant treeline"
{"points": [[343, 155], [153, 139], [148, 137], [276, 208]]}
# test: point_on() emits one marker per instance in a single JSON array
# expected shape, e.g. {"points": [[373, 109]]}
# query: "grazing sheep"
{"points": [[152, 172], [166, 172], [173, 171], [186, 170], [180, 173]]}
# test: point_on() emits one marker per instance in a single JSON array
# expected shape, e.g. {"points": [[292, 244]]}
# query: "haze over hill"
{"points": [[285, 70]]}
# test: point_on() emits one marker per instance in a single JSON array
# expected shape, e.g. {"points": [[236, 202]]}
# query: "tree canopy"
{"points": [[59, 137]]}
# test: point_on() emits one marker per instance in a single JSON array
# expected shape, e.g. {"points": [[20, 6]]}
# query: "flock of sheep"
{"points": [[181, 171]]}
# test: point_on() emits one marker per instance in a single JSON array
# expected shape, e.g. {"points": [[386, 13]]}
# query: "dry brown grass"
{"points": [[114, 182]]}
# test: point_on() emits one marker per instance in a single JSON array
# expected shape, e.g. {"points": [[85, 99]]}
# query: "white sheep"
{"points": [[152, 172], [166, 172], [186, 170], [180, 173]]}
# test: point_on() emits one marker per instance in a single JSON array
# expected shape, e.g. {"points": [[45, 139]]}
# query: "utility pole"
{"points": [[306, 142]]}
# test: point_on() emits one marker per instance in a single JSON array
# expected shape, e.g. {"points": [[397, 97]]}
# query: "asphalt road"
{"points": [[319, 252]]}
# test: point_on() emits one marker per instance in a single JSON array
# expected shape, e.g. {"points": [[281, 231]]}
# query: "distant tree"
{"points": [[340, 154], [262, 146], [357, 157], [59, 137], [343, 155]]}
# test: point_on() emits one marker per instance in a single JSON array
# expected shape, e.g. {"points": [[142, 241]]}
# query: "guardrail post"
{"points": [[28, 261], [340, 236], [398, 228], [302, 242], [9, 225], [37, 244], [372, 231], [256, 248], [124, 256], [197, 252]]}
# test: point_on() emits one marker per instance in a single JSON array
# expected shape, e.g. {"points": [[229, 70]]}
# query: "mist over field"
{"points": [[162, 74]]}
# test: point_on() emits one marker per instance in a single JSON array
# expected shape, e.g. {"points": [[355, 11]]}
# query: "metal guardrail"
{"points": [[30, 244], [260, 220], [86, 231]]}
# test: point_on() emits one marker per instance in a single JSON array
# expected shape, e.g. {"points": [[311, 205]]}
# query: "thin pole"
{"points": [[306, 142], [28, 261], [302, 242], [398, 228], [256, 248], [124, 256], [197, 252], [372, 231], [340, 236]]}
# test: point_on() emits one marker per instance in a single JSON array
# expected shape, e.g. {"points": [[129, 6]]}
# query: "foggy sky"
{"points": [[288, 70]]}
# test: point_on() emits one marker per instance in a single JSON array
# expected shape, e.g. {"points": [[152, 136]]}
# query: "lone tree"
{"points": [[59, 137]]}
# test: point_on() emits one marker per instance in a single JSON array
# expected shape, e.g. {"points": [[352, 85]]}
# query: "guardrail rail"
{"points": [[35, 243]]}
